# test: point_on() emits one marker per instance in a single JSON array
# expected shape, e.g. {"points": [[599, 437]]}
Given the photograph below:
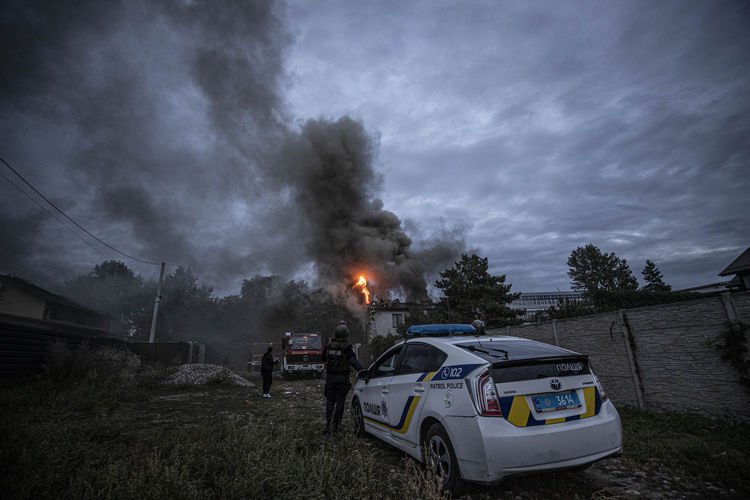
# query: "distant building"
{"points": [[22, 298], [385, 317], [740, 267], [535, 302]]}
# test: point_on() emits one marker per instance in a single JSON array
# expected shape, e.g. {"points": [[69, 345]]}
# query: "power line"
{"points": [[51, 214], [66, 216]]}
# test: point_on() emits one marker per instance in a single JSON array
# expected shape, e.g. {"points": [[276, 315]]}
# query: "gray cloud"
{"points": [[545, 126], [328, 168], [163, 128], [151, 116], [521, 130]]}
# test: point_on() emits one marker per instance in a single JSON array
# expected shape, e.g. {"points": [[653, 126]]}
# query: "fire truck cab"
{"points": [[302, 354]]}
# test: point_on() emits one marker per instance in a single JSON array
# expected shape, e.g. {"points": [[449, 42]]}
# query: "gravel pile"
{"points": [[199, 374]]}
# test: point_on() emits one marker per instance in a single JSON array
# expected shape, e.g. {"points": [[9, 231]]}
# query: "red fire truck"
{"points": [[302, 354]]}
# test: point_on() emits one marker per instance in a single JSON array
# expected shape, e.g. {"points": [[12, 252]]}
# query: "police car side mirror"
{"points": [[364, 375]]}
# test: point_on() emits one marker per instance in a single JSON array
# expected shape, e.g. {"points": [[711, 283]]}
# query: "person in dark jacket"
{"points": [[339, 357], [266, 371]]}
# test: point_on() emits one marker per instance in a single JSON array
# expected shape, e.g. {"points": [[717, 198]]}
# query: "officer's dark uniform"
{"points": [[339, 356], [266, 371]]}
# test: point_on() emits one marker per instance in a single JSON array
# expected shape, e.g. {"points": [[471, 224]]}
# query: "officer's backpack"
{"points": [[336, 356]]}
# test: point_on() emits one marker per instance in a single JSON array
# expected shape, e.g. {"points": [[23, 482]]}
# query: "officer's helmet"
{"points": [[478, 325], [341, 331]]}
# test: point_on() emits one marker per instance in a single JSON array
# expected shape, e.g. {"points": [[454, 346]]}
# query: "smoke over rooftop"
{"points": [[328, 167]]}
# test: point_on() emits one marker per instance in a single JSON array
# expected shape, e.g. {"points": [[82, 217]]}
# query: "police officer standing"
{"points": [[339, 356], [479, 326]]}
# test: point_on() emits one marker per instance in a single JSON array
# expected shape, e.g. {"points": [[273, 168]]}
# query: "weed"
{"points": [[128, 437], [690, 445], [71, 440], [732, 344]]}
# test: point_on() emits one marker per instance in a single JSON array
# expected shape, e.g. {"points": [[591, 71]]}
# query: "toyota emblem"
{"points": [[304, 358], [555, 384]]}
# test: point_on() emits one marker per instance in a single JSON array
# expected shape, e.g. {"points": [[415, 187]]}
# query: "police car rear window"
{"points": [[534, 369], [512, 350]]}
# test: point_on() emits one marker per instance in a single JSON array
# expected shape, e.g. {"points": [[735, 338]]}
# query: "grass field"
{"points": [[125, 436]]}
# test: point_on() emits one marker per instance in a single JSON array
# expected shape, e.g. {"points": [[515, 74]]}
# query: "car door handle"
{"points": [[419, 388], [385, 391]]}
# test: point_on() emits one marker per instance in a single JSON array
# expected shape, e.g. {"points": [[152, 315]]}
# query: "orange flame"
{"points": [[361, 285]]}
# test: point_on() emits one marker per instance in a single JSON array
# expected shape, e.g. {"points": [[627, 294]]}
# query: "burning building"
{"points": [[359, 249]]}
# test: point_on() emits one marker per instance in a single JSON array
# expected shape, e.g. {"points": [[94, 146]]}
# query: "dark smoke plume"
{"points": [[160, 125], [329, 167]]}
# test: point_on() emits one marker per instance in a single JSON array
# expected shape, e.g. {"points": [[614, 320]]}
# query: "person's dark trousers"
{"points": [[336, 388], [266, 381]]}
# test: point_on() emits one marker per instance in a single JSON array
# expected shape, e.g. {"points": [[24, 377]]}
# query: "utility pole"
{"points": [[156, 305]]}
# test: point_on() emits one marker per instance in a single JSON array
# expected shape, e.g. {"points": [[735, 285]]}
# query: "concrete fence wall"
{"points": [[25, 345], [659, 357]]}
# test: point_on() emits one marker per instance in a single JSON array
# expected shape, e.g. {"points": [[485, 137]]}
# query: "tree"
{"points": [[592, 271], [258, 289], [471, 292], [567, 308], [187, 310], [273, 306], [653, 278], [182, 287], [114, 289]]}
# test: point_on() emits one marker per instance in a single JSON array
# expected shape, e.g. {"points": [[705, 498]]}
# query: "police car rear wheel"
{"points": [[358, 421], [440, 457]]}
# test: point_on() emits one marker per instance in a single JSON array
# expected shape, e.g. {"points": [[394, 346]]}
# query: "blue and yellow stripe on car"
{"points": [[402, 427], [516, 410]]}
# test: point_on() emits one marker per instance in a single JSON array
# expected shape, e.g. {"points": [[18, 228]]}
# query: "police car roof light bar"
{"points": [[440, 330]]}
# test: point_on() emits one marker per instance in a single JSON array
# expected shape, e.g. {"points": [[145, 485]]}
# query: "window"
{"points": [[386, 366], [397, 320], [534, 370], [304, 343], [420, 358]]}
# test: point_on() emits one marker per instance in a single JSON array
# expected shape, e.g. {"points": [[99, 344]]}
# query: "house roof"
{"points": [[41, 293], [377, 305], [738, 265]]}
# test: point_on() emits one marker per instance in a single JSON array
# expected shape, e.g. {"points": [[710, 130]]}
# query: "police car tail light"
{"points": [[489, 405], [599, 385]]}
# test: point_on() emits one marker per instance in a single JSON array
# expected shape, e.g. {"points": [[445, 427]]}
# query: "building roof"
{"points": [[395, 305], [738, 265], [709, 287], [41, 293]]}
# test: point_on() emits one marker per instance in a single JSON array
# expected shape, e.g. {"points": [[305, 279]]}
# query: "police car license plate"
{"points": [[554, 401]]}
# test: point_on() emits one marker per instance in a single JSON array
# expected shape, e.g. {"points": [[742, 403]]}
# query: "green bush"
{"points": [[382, 343], [91, 362]]}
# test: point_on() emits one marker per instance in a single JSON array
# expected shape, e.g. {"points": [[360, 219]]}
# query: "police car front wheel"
{"points": [[358, 421], [440, 457]]}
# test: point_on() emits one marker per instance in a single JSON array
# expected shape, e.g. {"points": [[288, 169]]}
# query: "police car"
{"points": [[482, 408]]}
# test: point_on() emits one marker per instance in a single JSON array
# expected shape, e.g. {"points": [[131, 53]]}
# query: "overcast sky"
{"points": [[519, 130]]}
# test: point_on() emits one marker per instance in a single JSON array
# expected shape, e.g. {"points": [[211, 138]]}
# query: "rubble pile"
{"points": [[199, 374]]}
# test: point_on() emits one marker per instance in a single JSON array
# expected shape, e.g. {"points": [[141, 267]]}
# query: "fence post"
{"points": [[190, 352], [554, 332], [626, 335], [730, 307]]}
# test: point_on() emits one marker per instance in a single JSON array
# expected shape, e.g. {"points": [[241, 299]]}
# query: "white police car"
{"points": [[486, 407]]}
